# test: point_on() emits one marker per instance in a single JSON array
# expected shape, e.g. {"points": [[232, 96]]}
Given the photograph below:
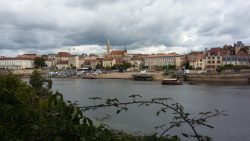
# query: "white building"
{"points": [[16, 63], [108, 62], [163, 59]]}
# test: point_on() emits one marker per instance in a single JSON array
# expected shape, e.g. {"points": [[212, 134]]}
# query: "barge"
{"points": [[171, 81]]}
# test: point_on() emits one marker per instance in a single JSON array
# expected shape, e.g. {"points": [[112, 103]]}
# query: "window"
{"points": [[212, 57], [212, 61], [218, 62], [218, 57]]}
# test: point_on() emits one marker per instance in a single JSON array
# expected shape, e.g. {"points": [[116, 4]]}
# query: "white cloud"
{"points": [[159, 49], [44, 25]]}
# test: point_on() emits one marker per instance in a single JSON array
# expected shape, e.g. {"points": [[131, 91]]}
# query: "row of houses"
{"points": [[237, 55], [63, 60]]}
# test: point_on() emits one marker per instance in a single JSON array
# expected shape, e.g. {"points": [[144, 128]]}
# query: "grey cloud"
{"points": [[187, 24]]}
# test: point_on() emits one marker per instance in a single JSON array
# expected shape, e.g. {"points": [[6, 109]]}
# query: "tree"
{"points": [[99, 66], [186, 65], [72, 66], [219, 69], [122, 66], [36, 80], [39, 62], [169, 67]]}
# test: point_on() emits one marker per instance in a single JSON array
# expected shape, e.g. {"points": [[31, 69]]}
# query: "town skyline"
{"points": [[102, 52]]}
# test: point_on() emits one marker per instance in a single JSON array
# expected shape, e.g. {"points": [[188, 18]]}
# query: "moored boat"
{"points": [[171, 81]]}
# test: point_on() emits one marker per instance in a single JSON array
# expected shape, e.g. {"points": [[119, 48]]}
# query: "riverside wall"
{"points": [[128, 75], [242, 77], [239, 78], [21, 72]]}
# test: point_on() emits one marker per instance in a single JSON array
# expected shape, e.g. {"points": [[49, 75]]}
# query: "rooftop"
{"points": [[64, 54]]}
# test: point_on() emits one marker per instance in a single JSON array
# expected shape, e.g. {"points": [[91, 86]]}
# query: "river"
{"points": [[234, 99]]}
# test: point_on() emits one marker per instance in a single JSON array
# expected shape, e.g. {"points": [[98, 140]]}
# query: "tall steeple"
{"points": [[125, 48], [108, 47]]}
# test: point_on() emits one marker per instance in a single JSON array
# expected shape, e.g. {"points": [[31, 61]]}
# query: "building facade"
{"points": [[16, 63], [236, 60], [197, 60], [162, 60], [108, 62], [214, 59]]}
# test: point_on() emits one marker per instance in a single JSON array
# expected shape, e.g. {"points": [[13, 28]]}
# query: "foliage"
{"points": [[219, 69], [31, 112], [122, 66], [190, 67], [27, 116], [228, 65], [186, 65], [99, 66], [36, 80], [72, 66], [180, 117], [39, 62], [169, 67]]}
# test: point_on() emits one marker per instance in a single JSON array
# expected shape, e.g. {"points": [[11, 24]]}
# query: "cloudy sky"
{"points": [[145, 26]]}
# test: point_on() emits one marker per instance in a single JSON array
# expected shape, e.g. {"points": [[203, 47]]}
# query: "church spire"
{"points": [[108, 47], [125, 48]]}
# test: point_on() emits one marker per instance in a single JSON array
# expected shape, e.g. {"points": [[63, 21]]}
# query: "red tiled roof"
{"points": [[200, 56], [117, 52], [162, 55], [215, 51], [27, 56], [136, 58], [64, 54], [242, 53], [226, 52]]}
